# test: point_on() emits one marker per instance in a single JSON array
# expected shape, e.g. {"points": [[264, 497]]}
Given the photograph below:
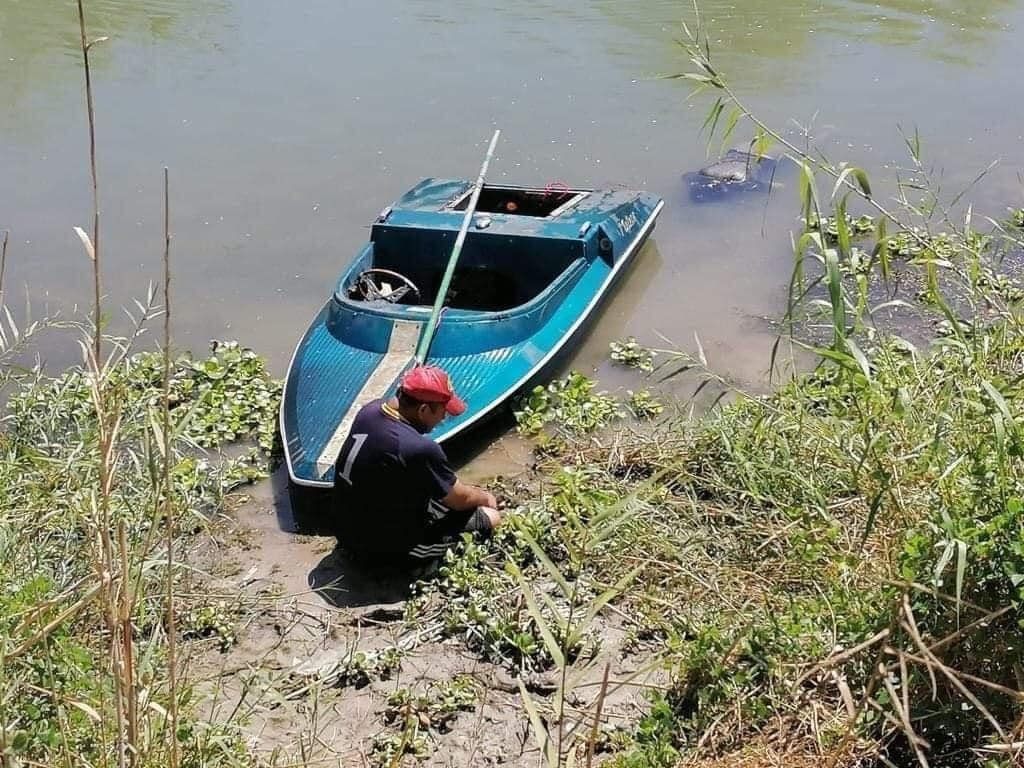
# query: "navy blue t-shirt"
{"points": [[385, 479]]}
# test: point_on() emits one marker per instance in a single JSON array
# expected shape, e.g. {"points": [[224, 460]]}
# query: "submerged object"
{"points": [[735, 171], [535, 264]]}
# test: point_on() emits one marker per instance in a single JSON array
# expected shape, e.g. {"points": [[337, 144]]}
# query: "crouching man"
{"points": [[396, 497]]}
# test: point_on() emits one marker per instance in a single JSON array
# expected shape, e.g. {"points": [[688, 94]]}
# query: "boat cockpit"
{"points": [[495, 272]]}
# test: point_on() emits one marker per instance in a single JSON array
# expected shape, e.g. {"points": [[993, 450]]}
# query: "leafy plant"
{"points": [[54, 637], [418, 715], [643, 404], [569, 404], [882, 486], [631, 354], [361, 667], [213, 620]]}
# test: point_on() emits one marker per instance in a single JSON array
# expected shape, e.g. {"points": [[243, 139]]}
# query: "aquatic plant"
{"points": [[417, 716], [50, 447], [631, 353], [643, 404], [568, 404]]}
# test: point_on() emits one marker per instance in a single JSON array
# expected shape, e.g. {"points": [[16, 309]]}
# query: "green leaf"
{"points": [[1000, 431], [869, 524], [860, 357], [835, 293], [552, 570], [997, 399], [843, 179], [600, 602], [730, 126], [762, 143], [843, 231], [844, 359], [916, 145], [20, 742], [862, 179], [540, 731], [711, 121], [881, 250], [550, 642]]}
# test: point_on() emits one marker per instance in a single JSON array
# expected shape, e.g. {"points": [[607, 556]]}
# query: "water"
{"points": [[287, 127]]}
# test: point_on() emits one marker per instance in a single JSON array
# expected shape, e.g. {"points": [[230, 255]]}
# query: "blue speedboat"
{"points": [[534, 265]]}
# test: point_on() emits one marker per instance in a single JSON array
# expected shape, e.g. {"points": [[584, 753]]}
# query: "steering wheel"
{"points": [[367, 283]]}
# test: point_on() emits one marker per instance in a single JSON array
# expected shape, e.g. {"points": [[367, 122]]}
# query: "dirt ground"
{"points": [[300, 614]]}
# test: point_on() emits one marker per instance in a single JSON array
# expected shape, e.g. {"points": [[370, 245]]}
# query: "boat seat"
{"points": [[481, 289]]}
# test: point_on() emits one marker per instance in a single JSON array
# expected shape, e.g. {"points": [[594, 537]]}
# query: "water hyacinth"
{"points": [[568, 404], [225, 398]]}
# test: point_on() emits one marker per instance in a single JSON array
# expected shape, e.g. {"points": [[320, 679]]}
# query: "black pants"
{"points": [[444, 530], [447, 528]]}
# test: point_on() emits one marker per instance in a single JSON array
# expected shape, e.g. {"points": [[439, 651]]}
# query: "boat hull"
{"points": [[352, 353]]}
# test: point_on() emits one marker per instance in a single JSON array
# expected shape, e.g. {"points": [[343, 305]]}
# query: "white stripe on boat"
{"points": [[401, 348]]}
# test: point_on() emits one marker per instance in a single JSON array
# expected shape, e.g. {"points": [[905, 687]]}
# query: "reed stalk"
{"points": [[113, 567], [169, 516], [86, 46], [3, 263], [598, 709]]}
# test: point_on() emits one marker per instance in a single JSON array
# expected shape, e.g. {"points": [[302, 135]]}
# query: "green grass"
{"points": [[56, 677]]}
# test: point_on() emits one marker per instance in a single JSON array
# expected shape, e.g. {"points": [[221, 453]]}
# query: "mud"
{"points": [[302, 612]]}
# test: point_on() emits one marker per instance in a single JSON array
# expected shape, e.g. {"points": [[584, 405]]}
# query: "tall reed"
{"points": [[92, 247], [107, 570], [3, 262], [113, 557], [169, 517]]}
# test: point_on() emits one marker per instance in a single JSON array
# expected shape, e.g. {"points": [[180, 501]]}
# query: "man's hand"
{"points": [[493, 516], [463, 496]]}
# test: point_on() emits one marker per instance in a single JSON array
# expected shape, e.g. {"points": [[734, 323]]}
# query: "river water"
{"points": [[288, 126]]}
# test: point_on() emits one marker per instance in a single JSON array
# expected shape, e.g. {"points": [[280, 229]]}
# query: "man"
{"points": [[396, 496]]}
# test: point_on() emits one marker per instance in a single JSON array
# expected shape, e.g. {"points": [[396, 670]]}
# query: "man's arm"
{"points": [[463, 496]]}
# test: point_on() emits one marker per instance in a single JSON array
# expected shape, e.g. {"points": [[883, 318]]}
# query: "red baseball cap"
{"points": [[430, 384]]}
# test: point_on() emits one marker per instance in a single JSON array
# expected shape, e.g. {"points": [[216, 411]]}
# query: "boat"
{"points": [[533, 265]]}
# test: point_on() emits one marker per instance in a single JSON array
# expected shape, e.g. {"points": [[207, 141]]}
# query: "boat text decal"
{"points": [[626, 223]]}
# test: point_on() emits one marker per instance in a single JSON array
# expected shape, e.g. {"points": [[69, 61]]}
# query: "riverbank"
{"points": [[825, 573]]}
